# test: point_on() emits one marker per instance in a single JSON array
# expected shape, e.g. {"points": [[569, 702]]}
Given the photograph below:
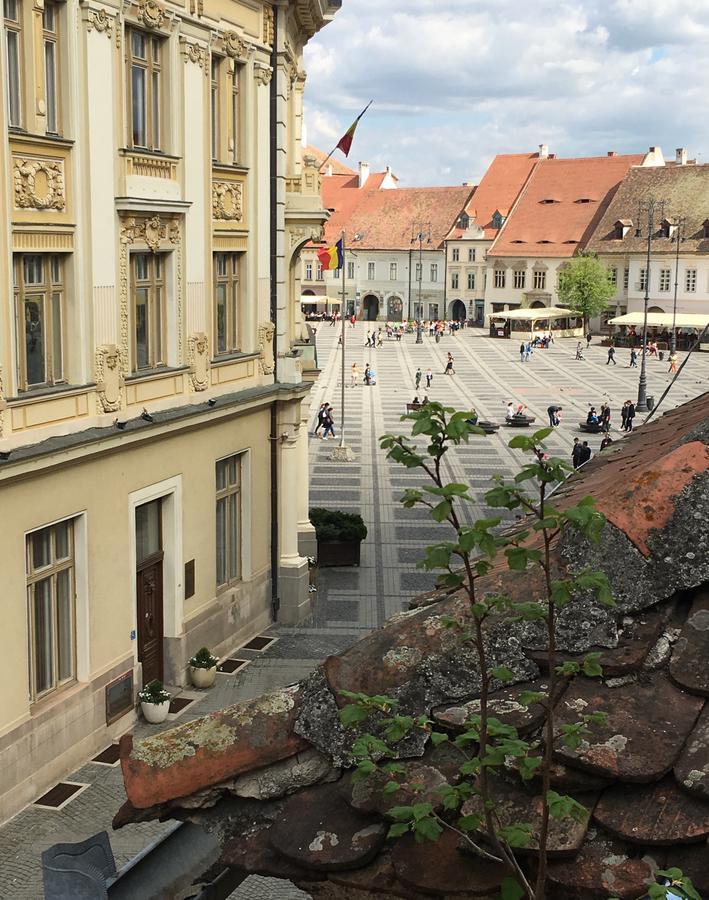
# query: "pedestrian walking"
{"points": [[673, 363], [585, 452], [630, 415], [367, 375], [354, 375], [522, 352], [554, 415], [429, 378], [449, 370], [367, 341], [329, 423], [579, 351], [633, 359], [576, 453], [605, 418], [527, 351], [611, 356], [417, 378], [321, 418], [588, 340], [380, 338]]}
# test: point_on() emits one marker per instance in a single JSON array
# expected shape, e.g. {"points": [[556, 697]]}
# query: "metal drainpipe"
{"points": [[273, 264]]}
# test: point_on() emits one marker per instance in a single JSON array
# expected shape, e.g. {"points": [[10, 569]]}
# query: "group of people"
{"points": [[602, 419], [581, 453], [326, 421], [419, 376], [368, 376]]}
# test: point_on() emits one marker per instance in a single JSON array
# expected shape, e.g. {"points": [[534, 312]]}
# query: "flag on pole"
{"points": [[331, 257], [345, 142]]}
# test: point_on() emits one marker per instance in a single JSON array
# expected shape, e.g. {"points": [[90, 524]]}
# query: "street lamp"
{"points": [[421, 232], [651, 208], [679, 232]]}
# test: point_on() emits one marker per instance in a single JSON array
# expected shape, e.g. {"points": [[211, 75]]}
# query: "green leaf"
{"points": [[470, 823], [352, 714], [568, 669], [521, 442], [391, 787], [591, 666], [438, 737], [402, 813], [516, 558], [540, 435], [503, 674], [441, 512], [562, 806], [421, 810], [510, 889], [427, 830], [399, 829], [516, 835], [528, 698], [528, 765]]}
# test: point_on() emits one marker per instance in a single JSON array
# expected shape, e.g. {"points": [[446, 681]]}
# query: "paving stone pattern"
{"points": [[350, 602]]}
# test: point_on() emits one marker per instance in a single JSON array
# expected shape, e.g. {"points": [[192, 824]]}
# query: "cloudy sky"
{"points": [[456, 81]]}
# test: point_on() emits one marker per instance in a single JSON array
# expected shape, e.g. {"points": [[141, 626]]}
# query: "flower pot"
{"points": [[338, 553], [155, 713], [203, 678]]}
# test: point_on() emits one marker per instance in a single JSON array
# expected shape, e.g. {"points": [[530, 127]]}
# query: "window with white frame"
{"points": [[500, 278], [215, 104], [520, 279], [456, 254], [226, 302], [370, 271], [613, 276], [235, 114], [308, 272], [50, 37], [419, 272], [471, 254], [393, 271], [318, 272], [228, 537], [626, 278], [39, 303], [539, 279], [336, 274], [690, 280], [351, 271], [665, 276], [471, 281], [434, 272], [148, 296], [643, 283], [12, 12], [455, 280], [144, 61], [51, 600]]}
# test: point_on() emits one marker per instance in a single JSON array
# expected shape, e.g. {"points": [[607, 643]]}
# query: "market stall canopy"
{"points": [[681, 320], [320, 298], [531, 315]]}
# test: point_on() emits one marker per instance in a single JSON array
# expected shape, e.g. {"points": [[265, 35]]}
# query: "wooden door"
{"points": [[149, 599]]}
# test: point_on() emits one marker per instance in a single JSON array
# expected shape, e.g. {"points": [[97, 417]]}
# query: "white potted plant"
{"points": [[203, 668], [154, 702]]}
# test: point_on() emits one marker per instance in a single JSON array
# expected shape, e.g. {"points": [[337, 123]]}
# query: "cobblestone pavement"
{"points": [[352, 601]]}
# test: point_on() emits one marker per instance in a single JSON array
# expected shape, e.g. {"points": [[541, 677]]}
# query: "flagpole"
{"points": [[353, 125], [342, 453]]}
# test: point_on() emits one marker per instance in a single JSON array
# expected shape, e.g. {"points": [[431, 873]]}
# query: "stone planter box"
{"points": [[338, 553], [203, 678], [155, 713]]}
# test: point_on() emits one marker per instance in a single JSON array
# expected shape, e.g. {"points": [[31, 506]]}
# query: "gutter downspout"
{"points": [[273, 275]]}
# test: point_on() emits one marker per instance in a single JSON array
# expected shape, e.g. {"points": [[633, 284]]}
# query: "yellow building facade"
{"points": [[153, 452]]}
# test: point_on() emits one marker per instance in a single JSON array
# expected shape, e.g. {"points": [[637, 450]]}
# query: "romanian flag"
{"points": [[345, 142], [331, 257]]}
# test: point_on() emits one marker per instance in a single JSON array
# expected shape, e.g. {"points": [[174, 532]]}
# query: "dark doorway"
{"points": [[395, 307], [458, 311], [480, 312], [149, 559], [371, 308]]}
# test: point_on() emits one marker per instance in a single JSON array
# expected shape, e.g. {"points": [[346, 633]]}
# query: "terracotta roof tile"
{"points": [[338, 167], [500, 186]]}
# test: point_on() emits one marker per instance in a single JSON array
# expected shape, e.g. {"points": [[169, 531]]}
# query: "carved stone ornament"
{"points": [[263, 74], [107, 367], [100, 20], [196, 54], [198, 360], [151, 13], [266, 363], [152, 231], [227, 200], [39, 184], [234, 46], [268, 24], [300, 235]]}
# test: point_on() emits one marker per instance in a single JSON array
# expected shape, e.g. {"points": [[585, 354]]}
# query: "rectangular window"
{"points": [[434, 272], [308, 271], [626, 278], [500, 278], [419, 272], [13, 47], [456, 254], [471, 281], [235, 117], [318, 272], [336, 274], [226, 302], [144, 94], [690, 280], [228, 478], [39, 305], [471, 254], [370, 271], [455, 280], [613, 276], [540, 279], [643, 283], [665, 276], [50, 19], [520, 279], [214, 92], [351, 271], [148, 296], [51, 600], [433, 312], [393, 271]]}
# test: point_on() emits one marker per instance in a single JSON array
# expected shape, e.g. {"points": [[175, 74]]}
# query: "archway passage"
{"points": [[371, 308], [395, 307], [458, 311], [537, 305]]}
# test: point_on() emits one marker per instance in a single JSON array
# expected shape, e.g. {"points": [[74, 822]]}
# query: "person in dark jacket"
{"points": [[585, 452], [553, 412], [611, 357], [629, 415], [576, 454]]}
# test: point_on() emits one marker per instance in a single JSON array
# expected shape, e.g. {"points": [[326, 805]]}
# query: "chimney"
{"points": [[363, 173], [543, 151], [681, 156], [328, 171], [611, 153]]}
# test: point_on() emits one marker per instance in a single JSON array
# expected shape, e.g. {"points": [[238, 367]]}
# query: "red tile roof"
{"points": [[500, 187], [338, 168], [560, 206]]}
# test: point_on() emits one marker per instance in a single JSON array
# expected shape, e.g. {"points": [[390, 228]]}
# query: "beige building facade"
{"points": [[153, 455]]}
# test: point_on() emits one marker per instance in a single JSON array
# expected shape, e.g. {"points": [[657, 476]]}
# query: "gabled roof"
{"points": [[685, 190], [270, 777], [561, 203], [338, 167]]}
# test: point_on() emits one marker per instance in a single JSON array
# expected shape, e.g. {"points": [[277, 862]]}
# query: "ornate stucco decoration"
{"points": [[234, 46], [300, 235], [268, 24], [107, 373], [227, 200], [2, 403], [266, 363], [152, 231], [99, 20], [39, 183], [198, 360], [151, 13], [263, 74], [196, 54]]}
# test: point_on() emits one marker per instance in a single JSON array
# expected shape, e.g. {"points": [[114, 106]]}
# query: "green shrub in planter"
{"points": [[203, 659], [153, 692], [334, 525]]}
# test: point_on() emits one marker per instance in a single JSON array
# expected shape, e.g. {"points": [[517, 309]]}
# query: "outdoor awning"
{"points": [[681, 320], [320, 298], [531, 315]]}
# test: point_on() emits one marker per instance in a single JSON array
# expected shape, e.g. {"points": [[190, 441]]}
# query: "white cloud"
{"points": [[455, 81]]}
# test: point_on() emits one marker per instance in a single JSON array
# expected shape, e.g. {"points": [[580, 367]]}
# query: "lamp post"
{"points": [[681, 222], [421, 232], [651, 208]]}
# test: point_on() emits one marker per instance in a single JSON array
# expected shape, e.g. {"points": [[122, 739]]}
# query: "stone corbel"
{"points": [[151, 13], [266, 362], [198, 360], [194, 53], [235, 47], [107, 374], [99, 20], [263, 74]]}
